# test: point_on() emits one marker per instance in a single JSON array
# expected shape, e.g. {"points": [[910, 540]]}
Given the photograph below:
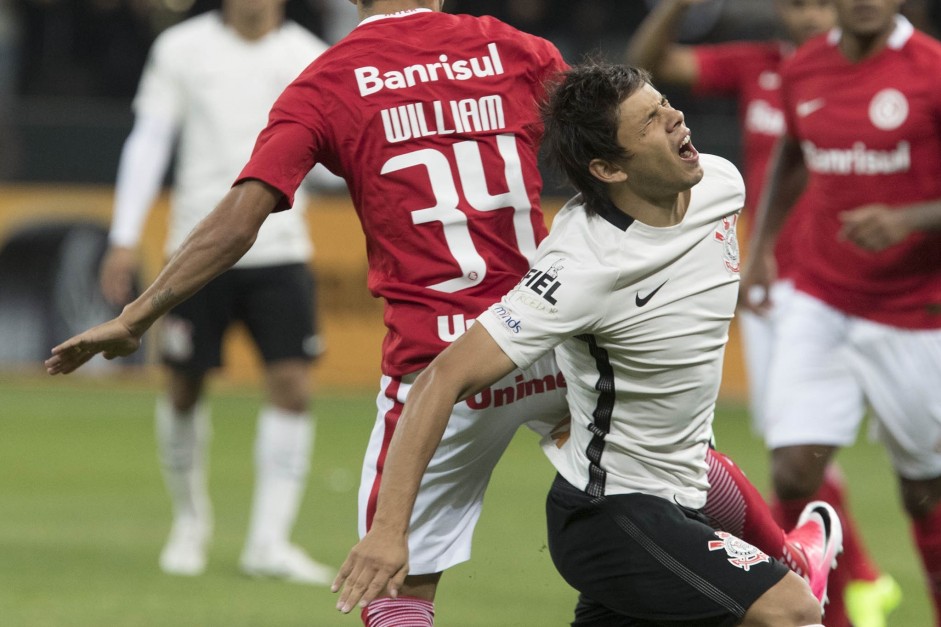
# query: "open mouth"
{"points": [[687, 151]]}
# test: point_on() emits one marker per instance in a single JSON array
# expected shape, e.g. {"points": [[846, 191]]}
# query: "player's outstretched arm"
{"points": [[211, 248], [653, 45], [380, 560]]}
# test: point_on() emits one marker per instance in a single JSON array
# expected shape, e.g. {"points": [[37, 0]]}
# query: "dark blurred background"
{"points": [[69, 68]]}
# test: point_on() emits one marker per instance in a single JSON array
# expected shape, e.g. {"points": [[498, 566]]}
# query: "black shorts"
{"points": [[276, 304], [640, 560]]}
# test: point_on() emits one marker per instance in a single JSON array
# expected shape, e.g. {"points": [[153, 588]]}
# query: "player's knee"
{"points": [[788, 604], [920, 498], [288, 384], [796, 472]]}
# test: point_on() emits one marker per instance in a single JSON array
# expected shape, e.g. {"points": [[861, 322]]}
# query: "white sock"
{"points": [[182, 447], [282, 459]]}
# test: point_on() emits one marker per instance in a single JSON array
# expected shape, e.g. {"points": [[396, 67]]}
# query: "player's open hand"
{"points": [[112, 339], [378, 562], [874, 227], [116, 278]]}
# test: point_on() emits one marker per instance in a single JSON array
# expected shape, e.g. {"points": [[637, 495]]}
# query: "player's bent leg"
{"points": [[655, 562], [734, 505], [183, 432], [283, 445]]}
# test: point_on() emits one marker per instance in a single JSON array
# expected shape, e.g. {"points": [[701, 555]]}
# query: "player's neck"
{"points": [[387, 7], [656, 211], [254, 26], [859, 47]]}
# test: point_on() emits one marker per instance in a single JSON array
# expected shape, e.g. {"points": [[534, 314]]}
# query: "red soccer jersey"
{"points": [[433, 121], [870, 133], [748, 72]]}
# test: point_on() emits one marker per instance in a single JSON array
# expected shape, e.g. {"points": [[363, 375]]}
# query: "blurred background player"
{"points": [[863, 114], [748, 72], [208, 85]]}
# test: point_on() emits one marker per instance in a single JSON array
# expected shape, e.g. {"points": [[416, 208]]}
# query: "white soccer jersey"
{"points": [[639, 318], [217, 89]]}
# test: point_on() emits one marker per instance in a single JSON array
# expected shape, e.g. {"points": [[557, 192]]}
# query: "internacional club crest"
{"points": [[741, 554], [888, 109]]}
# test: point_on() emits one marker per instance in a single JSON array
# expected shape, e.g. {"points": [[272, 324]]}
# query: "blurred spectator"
{"points": [[9, 57]]}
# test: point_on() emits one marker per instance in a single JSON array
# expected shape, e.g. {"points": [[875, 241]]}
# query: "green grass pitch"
{"points": [[83, 515]]}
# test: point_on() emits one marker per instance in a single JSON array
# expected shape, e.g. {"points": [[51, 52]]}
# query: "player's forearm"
{"points": [[214, 246], [786, 181], [655, 35], [417, 435], [922, 217]]}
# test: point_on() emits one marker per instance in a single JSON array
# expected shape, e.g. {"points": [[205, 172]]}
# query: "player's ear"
{"points": [[607, 172]]}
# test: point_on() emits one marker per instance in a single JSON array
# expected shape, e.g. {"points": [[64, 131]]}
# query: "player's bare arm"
{"points": [[380, 560], [653, 46], [786, 181], [212, 247], [877, 227]]}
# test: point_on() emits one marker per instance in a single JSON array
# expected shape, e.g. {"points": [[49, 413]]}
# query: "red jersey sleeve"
{"points": [[287, 148], [721, 68]]}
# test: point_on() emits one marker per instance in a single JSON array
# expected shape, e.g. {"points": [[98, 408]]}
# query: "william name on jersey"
{"points": [[419, 119]]}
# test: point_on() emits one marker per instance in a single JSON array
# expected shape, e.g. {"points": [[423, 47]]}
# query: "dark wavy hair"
{"points": [[581, 116]]}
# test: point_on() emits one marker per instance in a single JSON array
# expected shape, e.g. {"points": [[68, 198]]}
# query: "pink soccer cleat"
{"points": [[812, 546]]}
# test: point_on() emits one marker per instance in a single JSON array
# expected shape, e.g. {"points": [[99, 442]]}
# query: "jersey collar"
{"points": [[901, 33], [376, 18], [615, 216]]}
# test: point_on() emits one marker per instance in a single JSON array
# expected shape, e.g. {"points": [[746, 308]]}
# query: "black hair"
{"points": [[581, 117]]}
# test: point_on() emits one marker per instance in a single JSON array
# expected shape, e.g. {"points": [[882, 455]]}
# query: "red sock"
{"points": [[399, 612], [855, 560], [736, 506], [927, 532]]}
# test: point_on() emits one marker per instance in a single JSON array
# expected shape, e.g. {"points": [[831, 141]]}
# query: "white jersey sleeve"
{"points": [[565, 294], [161, 93], [144, 162]]}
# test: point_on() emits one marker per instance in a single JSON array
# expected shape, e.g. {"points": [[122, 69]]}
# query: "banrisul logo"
{"points": [[371, 80]]}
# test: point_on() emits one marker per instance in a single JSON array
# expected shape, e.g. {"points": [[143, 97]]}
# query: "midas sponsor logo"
{"points": [[857, 160], [522, 388], [371, 81], [504, 314]]}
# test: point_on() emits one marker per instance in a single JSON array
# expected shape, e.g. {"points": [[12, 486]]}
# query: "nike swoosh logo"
{"points": [[809, 106], [640, 301]]}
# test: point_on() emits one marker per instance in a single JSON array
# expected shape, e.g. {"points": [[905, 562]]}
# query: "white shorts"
{"points": [[452, 490], [827, 366], [757, 342]]}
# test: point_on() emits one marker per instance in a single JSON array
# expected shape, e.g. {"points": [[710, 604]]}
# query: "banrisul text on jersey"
{"points": [[371, 81]]}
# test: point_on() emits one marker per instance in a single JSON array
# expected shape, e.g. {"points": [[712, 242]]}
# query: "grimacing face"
{"points": [[803, 19], [663, 161]]}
